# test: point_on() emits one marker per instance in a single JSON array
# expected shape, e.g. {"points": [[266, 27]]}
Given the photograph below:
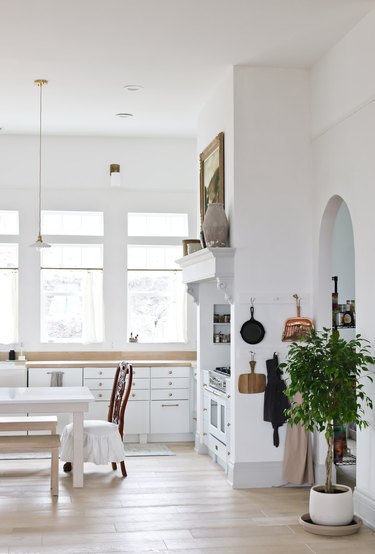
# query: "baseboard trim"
{"points": [[364, 507], [249, 475]]}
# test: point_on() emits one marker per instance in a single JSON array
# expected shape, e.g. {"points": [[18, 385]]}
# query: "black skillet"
{"points": [[252, 331]]}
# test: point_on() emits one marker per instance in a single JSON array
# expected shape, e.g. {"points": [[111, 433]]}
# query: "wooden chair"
{"points": [[36, 443], [103, 440]]}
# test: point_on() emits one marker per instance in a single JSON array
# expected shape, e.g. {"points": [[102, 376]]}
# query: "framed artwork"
{"points": [[212, 174]]}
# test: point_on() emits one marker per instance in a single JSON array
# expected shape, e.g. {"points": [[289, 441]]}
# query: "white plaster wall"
{"points": [[345, 165], [271, 229], [343, 262], [166, 181], [264, 114]]}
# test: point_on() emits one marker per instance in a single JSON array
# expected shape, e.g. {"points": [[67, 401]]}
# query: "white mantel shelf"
{"points": [[208, 264]]}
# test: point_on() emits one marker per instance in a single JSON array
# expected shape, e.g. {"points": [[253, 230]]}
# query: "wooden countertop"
{"points": [[107, 363]]}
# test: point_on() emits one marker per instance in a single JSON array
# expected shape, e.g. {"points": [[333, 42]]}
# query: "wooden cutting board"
{"points": [[252, 383]]}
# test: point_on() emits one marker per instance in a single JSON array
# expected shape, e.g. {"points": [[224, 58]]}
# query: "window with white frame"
{"points": [[156, 294], [8, 292], [72, 280]]}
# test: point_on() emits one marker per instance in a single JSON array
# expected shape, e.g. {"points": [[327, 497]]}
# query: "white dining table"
{"points": [[52, 400]]}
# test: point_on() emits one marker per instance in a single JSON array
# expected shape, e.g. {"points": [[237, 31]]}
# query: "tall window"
{"points": [[8, 293], [156, 295], [9, 225], [72, 280]]}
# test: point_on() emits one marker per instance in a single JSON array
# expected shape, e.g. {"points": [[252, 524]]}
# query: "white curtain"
{"points": [[8, 306], [92, 303]]}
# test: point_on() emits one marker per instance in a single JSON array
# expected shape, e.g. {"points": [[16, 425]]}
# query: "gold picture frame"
{"points": [[212, 174]]}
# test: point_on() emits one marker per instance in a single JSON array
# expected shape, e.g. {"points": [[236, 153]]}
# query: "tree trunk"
{"points": [[329, 464]]}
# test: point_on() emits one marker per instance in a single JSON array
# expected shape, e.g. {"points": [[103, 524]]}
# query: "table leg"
{"points": [[77, 449]]}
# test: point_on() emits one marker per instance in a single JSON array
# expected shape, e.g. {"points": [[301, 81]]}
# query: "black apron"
{"points": [[275, 400]]}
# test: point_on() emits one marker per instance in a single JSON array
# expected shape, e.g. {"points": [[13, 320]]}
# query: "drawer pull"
{"points": [[228, 424], [100, 384], [100, 395], [170, 394], [133, 394], [170, 372], [170, 405], [216, 447], [205, 409], [195, 419], [170, 383], [205, 434], [100, 373]]}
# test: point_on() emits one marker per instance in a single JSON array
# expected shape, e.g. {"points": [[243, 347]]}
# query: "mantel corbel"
{"points": [[193, 290], [225, 286]]}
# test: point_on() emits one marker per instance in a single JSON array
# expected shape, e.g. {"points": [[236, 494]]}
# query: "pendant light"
{"points": [[39, 243]]}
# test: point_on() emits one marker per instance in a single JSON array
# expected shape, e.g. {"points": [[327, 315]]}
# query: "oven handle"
{"points": [[216, 393]]}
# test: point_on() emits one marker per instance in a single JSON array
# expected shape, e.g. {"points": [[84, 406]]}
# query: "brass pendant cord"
{"points": [[40, 85], [39, 242]]}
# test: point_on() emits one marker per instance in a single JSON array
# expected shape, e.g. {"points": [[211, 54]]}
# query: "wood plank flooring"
{"points": [[176, 504]]}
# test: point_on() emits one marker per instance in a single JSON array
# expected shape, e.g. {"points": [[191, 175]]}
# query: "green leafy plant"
{"points": [[329, 373]]}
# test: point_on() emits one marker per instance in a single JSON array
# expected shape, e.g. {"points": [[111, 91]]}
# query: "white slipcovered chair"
{"points": [[103, 440]]}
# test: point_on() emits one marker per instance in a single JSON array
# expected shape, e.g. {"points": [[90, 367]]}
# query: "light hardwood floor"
{"points": [[176, 504]]}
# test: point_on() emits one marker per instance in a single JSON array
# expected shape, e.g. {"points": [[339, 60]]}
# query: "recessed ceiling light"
{"points": [[133, 88], [124, 115]]}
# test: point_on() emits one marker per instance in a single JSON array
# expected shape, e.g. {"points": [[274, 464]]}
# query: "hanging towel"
{"points": [[275, 400], [298, 460], [57, 379]]}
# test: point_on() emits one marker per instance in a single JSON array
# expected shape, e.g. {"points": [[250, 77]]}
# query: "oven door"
{"points": [[217, 415]]}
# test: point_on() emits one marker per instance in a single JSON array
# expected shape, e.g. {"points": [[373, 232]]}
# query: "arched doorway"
{"points": [[337, 274]]}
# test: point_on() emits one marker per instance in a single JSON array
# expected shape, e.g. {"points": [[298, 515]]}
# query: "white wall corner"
{"points": [[364, 507]]}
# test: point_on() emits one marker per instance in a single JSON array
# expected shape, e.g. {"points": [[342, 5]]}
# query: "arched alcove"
{"points": [[337, 259]]}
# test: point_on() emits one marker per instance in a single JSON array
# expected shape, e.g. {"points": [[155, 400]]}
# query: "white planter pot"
{"points": [[331, 509]]}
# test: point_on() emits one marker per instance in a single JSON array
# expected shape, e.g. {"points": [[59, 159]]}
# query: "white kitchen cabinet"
{"points": [[170, 400], [12, 375], [41, 377], [137, 413]]}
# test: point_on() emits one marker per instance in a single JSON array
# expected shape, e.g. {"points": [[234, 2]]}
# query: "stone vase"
{"points": [[215, 225]]}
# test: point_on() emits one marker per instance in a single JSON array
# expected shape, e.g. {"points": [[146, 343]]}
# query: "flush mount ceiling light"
{"points": [[123, 114], [39, 243], [133, 88], [114, 171]]}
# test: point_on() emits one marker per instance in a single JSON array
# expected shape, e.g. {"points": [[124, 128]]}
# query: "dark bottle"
{"points": [[12, 355]]}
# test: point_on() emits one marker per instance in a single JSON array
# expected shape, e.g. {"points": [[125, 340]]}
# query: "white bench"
{"points": [[28, 423], [36, 443]]}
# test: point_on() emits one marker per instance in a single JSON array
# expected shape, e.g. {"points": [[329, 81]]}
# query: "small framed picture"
{"points": [[212, 174]]}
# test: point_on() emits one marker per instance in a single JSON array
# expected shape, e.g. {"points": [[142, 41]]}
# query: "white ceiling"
{"points": [[177, 49]]}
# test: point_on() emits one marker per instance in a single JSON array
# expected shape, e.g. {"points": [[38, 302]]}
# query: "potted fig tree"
{"points": [[329, 373]]}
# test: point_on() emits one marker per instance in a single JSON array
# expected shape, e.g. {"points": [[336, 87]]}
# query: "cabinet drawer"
{"points": [[170, 371], [141, 384], [141, 372], [172, 382], [170, 417], [105, 384], [41, 377], [99, 372], [139, 395], [102, 394], [169, 394], [217, 448]]}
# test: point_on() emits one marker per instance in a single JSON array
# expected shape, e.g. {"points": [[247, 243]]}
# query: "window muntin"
{"points": [[72, 223], [157, 225], [9, 222], [72, 294]]}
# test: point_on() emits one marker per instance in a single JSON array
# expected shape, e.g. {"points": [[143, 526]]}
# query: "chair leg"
{"points": [[67, 467], [114, 466], [55, 471], [123, 469]]}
